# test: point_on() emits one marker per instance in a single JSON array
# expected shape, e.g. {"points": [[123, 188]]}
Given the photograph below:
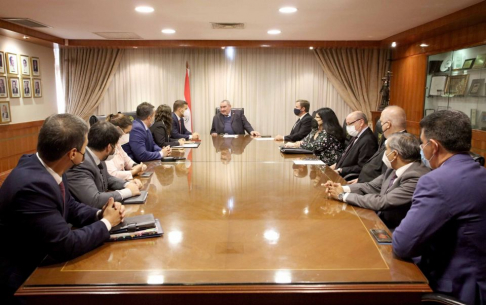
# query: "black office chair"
{"points": [[477, 158], [242, 110], [379, 132], [131, 114], [96, 118], [438, 298]]}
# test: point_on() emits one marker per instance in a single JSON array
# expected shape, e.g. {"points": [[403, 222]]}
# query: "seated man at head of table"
{"points": [[36, 209], [361, 147], [90, 182], [390, 193], [445, 228], [179, 130], [141, 146], [303, 126], [393, 119], [230, 122]]}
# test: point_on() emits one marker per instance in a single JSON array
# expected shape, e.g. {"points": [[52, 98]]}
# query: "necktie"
{"points": [[103, 184], [180, 125], [295, 124], [63, 191], [343, 156], [393, 177]]}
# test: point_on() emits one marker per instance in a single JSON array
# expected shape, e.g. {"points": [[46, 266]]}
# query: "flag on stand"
{"points": [[188, 124], [187, 96]]}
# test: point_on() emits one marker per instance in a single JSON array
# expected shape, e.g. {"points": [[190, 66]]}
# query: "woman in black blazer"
{"points": [[162, 127]]}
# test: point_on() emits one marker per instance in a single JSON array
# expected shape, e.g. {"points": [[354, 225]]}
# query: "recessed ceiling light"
{"points": [[424, 45], [394, 44], [287, 10], [168, 31], [135, 47], [265, 46], [144, 9], [223, 48], [311, 48], [274, 32], [26, 37]]}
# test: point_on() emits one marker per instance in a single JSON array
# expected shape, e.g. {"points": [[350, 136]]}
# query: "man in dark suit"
{"points": [[445, 228], [302, 127], [36, 209], [15, 89], [90, 182], [390, 194], [230, 122], [141, 146], [179, 130], [361, 147], [393, 119]]}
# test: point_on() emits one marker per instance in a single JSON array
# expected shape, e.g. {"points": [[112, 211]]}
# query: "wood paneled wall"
{"points": [[16, 140], [409, 64]]}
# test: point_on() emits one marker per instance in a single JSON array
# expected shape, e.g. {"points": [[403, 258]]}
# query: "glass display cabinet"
{"points": [[456, 80]]}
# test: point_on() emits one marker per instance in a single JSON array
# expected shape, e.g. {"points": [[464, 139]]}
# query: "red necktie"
{"points": [[63, 192], [180, 125]]}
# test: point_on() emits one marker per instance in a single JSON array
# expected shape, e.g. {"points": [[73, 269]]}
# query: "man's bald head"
{"points": [[393, 119]]}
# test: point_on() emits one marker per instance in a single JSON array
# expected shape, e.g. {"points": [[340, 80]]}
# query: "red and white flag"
{"points": [[187, 96]]}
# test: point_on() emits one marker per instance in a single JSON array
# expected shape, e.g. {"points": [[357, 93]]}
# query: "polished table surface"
{"points": [[238, 216]]}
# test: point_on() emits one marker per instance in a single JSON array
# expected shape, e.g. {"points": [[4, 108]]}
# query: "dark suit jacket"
{"points": [[359, 153], [175, 133], [239, 123], [86, 183], [301, 129], [141, 146], [394, 202], [446, 226], [34, 222], [161, 137]]}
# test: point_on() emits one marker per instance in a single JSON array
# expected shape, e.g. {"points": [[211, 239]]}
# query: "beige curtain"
{"points": [[265, 81], [86, 74], [356, 74]]}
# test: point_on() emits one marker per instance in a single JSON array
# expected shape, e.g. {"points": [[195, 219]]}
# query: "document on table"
{"points": [[230, 136], [195, 145], [311, 162], [264, 139]]}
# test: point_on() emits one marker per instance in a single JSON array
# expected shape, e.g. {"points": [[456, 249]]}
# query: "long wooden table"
{"points": [[243, 225]]}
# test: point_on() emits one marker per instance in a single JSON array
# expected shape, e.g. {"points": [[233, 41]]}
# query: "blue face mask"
{"points": [[424, 160]]}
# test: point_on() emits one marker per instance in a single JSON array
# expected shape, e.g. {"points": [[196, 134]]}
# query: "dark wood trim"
{"points": [[467, 17], [18, 31], [222, 43]]}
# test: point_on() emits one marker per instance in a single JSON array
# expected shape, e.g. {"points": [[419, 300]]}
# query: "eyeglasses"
{"points": [[422, 146], [352, 122]]}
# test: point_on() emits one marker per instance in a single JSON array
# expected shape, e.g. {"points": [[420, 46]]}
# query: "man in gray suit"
{"points": [[90, 182], [390, 193]]}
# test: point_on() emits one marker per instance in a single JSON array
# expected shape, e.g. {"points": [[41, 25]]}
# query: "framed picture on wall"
{"points": [[14, 86], [2, 62], [37, 87], [468, 63], [3, 87], [5, 112], [480, 61], [12, 66], [24, 65], [456, 84], [35, 64], [476, 87], [26, 87]]}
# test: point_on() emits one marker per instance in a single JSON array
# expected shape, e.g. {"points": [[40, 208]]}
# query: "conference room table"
{"points": [[242, 224]]}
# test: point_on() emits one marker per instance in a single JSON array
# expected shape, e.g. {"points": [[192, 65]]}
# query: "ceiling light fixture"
{"points": [[26, 37], [223, 48], [424, 45], [274, 32], [394, 44], [168, 31], [287, 10], [311, 48], [144, 9], [265, 45]]}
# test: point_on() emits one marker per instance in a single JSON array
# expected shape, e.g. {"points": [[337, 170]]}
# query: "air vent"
{"points": [[118, 35], [228, 26], [26, 22]]}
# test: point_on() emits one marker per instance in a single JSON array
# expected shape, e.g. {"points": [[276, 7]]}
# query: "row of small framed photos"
{"points": [[9, 63], [16, 88], [5, 116]]}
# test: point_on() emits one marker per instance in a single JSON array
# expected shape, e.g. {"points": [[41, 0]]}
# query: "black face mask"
{"points": [[314, 124]]}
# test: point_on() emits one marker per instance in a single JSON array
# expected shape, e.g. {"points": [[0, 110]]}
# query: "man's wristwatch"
{"points": [[341, 196]]}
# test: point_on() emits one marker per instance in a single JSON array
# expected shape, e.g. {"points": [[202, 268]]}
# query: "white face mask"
{"points": [[352, 130], [386, 161], [187, 113], [124, 139]]}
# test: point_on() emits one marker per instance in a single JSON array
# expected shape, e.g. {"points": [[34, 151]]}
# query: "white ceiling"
{"points": [[314, 20]]}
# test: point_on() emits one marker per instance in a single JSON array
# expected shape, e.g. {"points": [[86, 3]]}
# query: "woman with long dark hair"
{"points": [[326, 138], [162, 127]]}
